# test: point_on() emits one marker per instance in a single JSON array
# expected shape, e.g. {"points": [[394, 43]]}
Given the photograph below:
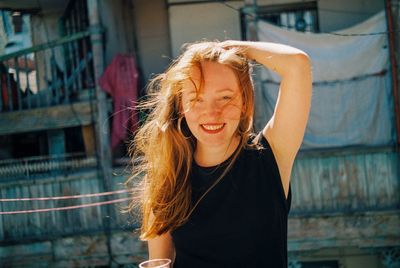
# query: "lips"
{"points": [[212, 128]]}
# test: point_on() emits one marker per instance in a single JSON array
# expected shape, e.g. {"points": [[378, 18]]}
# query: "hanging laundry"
{"points": [[9, 95], [120, 80], [352, 95]]}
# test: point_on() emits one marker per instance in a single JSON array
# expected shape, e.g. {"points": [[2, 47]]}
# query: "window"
{"points": [[17, 22], [302, 17]]}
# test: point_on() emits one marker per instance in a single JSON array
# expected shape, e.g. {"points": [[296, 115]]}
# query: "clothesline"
{"points": [[64, 208], [62, 197]]}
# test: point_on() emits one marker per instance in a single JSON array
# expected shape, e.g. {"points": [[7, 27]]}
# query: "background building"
{"points": [[56, 126]]}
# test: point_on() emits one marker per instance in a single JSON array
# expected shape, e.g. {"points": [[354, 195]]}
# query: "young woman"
{"points": [[214, 194]]}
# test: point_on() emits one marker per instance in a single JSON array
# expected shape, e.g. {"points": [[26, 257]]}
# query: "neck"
{"points": [[207, 156]]}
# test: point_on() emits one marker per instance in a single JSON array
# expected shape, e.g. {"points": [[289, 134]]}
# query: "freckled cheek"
{"points": [[232, 112], [192, 116]]}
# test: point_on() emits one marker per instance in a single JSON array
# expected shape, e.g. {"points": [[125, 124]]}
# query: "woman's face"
{"points": [[213, 114]]}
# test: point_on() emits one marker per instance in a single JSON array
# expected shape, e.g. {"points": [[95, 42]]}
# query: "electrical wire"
{"points": [[62, 197], [64, 208]]}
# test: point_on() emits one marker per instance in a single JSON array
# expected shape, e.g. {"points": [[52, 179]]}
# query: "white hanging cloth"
{"points": [[352, 102]]}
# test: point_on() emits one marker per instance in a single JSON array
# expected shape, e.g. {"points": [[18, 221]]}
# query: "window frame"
{"points": [[264, 11]]}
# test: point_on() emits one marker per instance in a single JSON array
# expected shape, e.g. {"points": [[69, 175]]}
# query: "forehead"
{"points": [[212, 77]]}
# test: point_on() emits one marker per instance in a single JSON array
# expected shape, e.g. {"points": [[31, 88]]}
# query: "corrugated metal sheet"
{"points": [[345, 183], [22, 227]]}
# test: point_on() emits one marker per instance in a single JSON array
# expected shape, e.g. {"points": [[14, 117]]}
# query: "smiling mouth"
{"points": [[212, 128]]}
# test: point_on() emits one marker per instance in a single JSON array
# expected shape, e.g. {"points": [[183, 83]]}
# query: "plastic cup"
{"points": [[156, 263]]}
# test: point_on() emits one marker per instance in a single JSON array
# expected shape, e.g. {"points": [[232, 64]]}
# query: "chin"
{"points": [[215, 141]]}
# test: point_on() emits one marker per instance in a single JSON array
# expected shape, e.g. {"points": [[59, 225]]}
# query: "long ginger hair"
{"points": [[162, 150]]}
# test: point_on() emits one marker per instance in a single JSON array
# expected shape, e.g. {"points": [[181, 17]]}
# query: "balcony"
{"points": [[345, 198], [47, 86]]}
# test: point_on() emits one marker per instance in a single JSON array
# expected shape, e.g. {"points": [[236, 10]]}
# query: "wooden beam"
{"points": [[101, 122], [61, 116]]}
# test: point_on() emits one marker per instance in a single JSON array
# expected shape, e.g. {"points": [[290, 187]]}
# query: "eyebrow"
{"points": [[225, 89], [218, 91]]}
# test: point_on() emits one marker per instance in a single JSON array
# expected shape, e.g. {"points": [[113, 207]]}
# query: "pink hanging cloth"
{"points": [[120, 81]]}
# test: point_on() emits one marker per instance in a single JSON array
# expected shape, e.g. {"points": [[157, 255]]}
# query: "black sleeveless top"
{"points": [[242, 221]]}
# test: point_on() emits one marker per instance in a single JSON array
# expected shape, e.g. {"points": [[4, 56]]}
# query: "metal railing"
{"points": [[57, 72], [32, 167]]}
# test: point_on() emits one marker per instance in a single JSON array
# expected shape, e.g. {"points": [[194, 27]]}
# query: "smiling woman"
{"points": [[213, 193]]}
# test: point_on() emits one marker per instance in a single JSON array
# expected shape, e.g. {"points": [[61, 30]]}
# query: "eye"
{"points": [[226, 97]]}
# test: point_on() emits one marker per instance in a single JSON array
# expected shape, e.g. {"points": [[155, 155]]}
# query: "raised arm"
{"points": [[285, 130]]}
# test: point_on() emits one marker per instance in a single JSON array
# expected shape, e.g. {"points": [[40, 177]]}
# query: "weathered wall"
{"points": [[151, 28], [53, 224], [210, 21], [359, 230], [334, 183], [71, 238], [76, 251], [118, 20], [347, 257], [137, 27], [191, 22]]}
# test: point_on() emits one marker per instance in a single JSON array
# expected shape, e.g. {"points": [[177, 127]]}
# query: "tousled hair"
{"points": [[162, 150]]}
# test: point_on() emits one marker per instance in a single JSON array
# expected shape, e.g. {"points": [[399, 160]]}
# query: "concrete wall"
{"points": [[137, 27], [191, 22], [118, 20], [152, 33]]}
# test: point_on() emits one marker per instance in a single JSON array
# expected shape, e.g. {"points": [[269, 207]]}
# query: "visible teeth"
{"points": [[213, 127]]}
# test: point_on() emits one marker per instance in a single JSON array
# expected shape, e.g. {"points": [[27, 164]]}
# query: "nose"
{"points": [[212, 108]]}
